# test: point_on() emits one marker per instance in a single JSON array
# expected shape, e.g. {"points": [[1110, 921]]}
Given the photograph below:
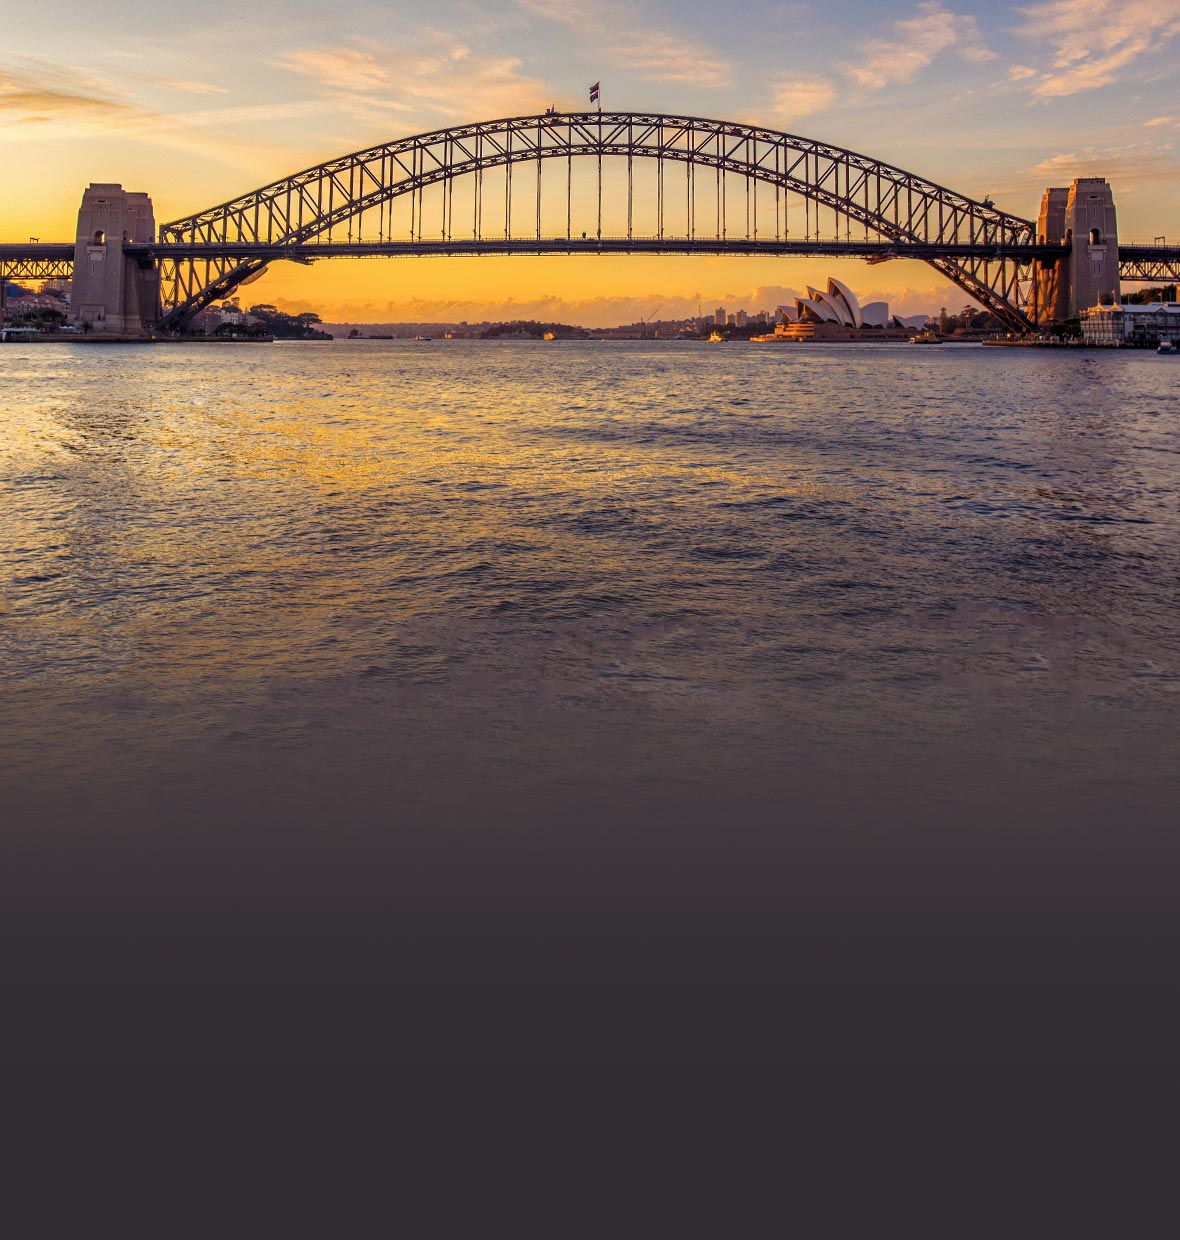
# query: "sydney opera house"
{"points": [[835, 315]]}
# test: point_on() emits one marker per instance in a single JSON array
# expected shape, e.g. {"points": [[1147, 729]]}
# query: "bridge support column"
{"points": [[1051, 294], [113, 293], [1090, 217], [1082, 220]]}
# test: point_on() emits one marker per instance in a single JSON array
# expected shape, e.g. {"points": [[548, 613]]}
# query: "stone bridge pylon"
{"points": [[1081, 220], [114, 292]]}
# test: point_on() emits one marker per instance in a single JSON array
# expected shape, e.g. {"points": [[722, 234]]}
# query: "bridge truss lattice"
{"points": [[32, 269], [718, 187]]}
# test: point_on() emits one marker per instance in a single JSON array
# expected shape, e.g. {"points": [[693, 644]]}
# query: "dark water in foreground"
{"points": [[572, 789]]}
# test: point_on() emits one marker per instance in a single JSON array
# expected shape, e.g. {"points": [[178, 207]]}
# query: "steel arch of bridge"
{"points": [[338, 195]]}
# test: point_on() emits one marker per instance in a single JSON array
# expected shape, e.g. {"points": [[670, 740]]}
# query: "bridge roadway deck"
{"points": [[541, 245], [1137, 257]]}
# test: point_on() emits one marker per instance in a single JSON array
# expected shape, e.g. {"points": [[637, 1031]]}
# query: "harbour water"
{"points": [[636, 789], [472, 576]]}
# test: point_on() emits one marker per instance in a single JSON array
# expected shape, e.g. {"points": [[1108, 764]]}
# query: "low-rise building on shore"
{"points": [[1132, 326]]}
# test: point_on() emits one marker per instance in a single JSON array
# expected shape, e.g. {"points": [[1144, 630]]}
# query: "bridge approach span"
{"points": [[1150, 263]]}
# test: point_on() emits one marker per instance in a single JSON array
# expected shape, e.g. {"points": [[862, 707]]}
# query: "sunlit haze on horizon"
{"points": [[197, 104]]}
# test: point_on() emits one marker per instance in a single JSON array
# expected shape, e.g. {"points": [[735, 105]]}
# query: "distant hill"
{"points": [[463, 331]]}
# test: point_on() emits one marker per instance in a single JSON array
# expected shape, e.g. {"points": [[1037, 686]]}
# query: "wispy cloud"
{"points": [[182, 85], [655, 54], [36, 96], [914, 43], [214, 118], [1094, 42], [1135, 168], [43, 100], [442, 76], [1131, 165], [43, 91], [338, 68], [802, 96], [666, 58]]}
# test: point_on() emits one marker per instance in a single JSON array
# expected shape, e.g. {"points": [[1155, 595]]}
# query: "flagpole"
{"points": [[596, 97]]}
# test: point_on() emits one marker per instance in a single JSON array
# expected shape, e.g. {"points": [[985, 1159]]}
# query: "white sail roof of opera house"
{"points": [[841, 311], [838, 311], [838, 288], [836, 304], [824, 314]]}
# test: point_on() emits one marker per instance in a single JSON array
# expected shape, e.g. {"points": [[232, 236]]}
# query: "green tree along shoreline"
{"points": [[43, 319], [270, 321], [561, 331], [1148, 296]]}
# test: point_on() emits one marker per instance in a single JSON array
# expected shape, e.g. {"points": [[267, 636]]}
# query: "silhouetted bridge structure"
{"points": [[594, 183]]}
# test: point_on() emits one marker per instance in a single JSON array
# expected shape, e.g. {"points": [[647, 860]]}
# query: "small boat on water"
{"points": [[716, 338], [426, 339], [927, 337], [1166, 346]]}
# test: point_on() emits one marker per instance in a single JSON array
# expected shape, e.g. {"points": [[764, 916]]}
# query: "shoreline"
{"points": [[116, 338]]}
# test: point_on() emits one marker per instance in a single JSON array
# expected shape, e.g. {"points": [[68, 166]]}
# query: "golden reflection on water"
{"points": [[242, 545]]}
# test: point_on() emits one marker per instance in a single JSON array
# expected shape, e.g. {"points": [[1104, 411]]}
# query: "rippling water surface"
{"points": [[388, 578], [580, 790]]}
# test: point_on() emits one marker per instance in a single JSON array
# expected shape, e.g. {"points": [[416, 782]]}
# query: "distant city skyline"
{"points": [[999, 100]]}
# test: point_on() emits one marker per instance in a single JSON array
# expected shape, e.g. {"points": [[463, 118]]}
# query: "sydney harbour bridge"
{"points": [[593, 183]]}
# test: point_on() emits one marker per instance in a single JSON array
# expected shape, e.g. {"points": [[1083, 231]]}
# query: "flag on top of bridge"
{"points": [[594, 92]]}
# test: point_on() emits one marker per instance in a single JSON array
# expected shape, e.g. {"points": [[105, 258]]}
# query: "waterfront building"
{"points": [[719, 316], [1132, 326], [34, 301], [205, 321]]}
